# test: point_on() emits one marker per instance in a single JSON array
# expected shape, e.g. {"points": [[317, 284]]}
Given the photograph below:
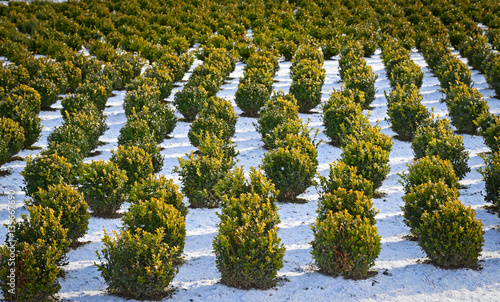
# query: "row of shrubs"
{"points": [[205, 81], [357, 76], [256, 86], [307, 76]]}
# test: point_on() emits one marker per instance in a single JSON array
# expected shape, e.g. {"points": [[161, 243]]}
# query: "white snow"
{"points": [[402, 274]]}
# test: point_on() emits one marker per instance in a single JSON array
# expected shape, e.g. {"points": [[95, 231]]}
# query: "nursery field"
{"points": [[400, 271]]}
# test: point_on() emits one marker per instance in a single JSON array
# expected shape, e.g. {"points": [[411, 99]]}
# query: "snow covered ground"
{"points": [[402, 274]]}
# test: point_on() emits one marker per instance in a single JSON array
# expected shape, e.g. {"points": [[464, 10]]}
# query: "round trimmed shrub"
{"points": [[452, 72], [339, 114], [189, 101], [371, 134], [163, 75], [199, 174], [72, 153], [139, 265], [362, 78], [251, 96], [345, 244], [103, 186], [35, 272], [451, 236], [73, 103], [161, 119], [152, 214], [135, 161], [216, 117], [371, 161], [355, 202], [406, 73], [489, 129], [426, 197], [492, 73], [248, 251], [91, 121], [136, 132], [465, 106], [307, 92], [68, 204], [44, 224], [13, 137], [491, 176], [43, 171], [437, 138], [428, 169], [291, 167], [277, 110], [96, 93], [307, 52], [159, 187], [234, 184], [143, 96], [346, 177], [259, 75], [406, 112], [289, 126]]}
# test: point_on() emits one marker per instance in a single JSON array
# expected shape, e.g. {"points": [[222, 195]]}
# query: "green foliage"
{"points": [[234, 184], [12, 138], [71, 134], [371, 160], [354, 202], [451, 236], [217, 117], [135, 161], [163, 75], [103, 186], [406, 73], [72, 153], [200, 173], [452, 72], [340, 114], [136, 132], [465, 106], [291, 167], [128, 67], [425, 198], [406, 111], [190, 100], [152, 214], [250, 97], [277, 110], [362, 78], [289, 126], [91, 121], [44, 224], [159, 187], [492, 73], [144, 96], [67, 203], [429, 169], [43, 171], [35, 271], [489, 129], [491, 176], [343, 176], [139, 265], [437, 138], [96, 92], [248, 251], [74, 103], [345, 244]]}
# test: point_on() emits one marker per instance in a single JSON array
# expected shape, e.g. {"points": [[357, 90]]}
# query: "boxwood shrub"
{"points": [[248, 251], [12, 136], [362, 78], [251, 96], [355, 202], [152, 214], [278, 109], [406, 111], [68, 204], [35, 273], [103, 186], [345, 244], [451, 236], [217, 117], [406, 73], [343, 176], [429, 169], [189, 101], [425, 198], [488, 128], [144, 96], [465, 106], [371, 161], [491, 176], [159, 187], [437, 138], [139, 265], [289, 126], [135, 161], [452, 72]]}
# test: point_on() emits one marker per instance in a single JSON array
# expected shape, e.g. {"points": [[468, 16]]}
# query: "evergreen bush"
{"points": [[355, 202], [135, 161], [491, 176], [189, 101], [12, 136], [346, 177]]}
